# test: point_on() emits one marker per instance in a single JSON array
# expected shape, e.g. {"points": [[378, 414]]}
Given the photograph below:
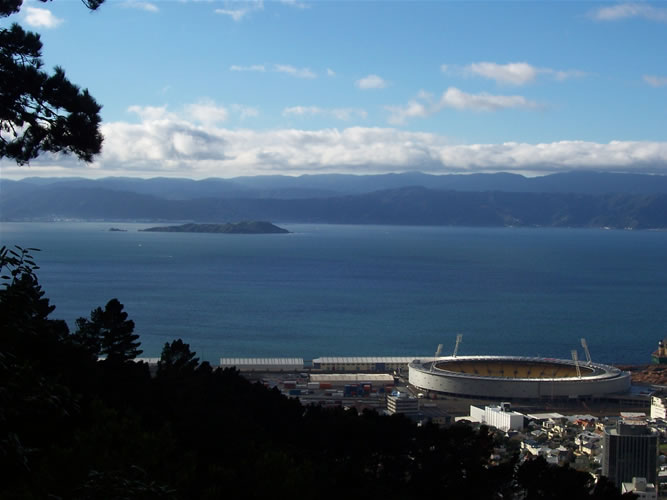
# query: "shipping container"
{"points": [[295, 392]]}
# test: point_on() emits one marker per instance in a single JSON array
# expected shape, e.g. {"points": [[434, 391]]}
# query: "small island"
{"points": [[117, 230], [245, 227]]}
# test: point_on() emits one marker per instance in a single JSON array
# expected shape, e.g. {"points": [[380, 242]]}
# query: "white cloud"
{"points": [[424, 105], [414, 109], [41, 18], [302, 110], [147, 6], [254, 67], [296, 72], [344, 114], [235, 14], [514, 73], [278, 68], [629, 10], [296, 4], [245, 111], [204, 112], [166, 143], [238, 9], [371, 82], [152, 113], [348, 113], [330, 72], [455, 98], [207, 112], [565, 75], [518, 73], [655, 81]]}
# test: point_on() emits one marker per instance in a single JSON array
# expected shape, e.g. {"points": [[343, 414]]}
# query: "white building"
{"points": [[639, 486], [402, 403], [501, 417], [589, 443], [659, 407]]}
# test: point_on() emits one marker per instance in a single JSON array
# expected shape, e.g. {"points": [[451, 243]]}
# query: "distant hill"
{"points": [[407, 205], [332, 185]]}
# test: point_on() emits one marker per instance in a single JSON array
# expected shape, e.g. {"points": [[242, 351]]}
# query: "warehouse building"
{"points": [[263, 364]]}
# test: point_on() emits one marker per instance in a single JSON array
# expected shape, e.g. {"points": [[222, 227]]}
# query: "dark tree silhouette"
{"points": [[540, 480], [88, 337], [41, 112], [177, 359], [115, 333]]}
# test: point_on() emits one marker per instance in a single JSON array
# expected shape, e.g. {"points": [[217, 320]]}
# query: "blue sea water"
{"points": [[364, 290]]}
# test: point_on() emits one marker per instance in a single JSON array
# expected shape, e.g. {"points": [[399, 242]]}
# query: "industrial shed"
{"points": [[376, 379], [381, 364], [263, 364]]}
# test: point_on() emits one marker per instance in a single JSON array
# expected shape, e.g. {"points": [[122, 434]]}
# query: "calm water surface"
{"points": [[364, 290]]}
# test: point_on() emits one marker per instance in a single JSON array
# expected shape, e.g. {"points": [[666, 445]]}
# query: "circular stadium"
{"points": [[517, 377]]}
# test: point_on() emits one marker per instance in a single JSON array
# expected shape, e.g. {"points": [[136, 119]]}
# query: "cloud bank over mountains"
{"points": [[194, 144]]}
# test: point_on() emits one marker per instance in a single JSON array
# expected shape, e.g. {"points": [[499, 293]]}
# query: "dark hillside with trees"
{"points": [[81, 419]]}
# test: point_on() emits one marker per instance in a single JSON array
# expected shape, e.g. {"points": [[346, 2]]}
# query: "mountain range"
{"points": [[575, 199]]}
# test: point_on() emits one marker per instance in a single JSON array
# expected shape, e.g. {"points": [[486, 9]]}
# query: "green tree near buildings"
{"points": [[41, 112]]}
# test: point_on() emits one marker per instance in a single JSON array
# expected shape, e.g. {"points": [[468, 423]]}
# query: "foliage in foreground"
{"points": [[41, 112], [73, 425]]}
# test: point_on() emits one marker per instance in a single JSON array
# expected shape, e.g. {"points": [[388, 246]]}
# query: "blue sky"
{"points": [[225, 88]]}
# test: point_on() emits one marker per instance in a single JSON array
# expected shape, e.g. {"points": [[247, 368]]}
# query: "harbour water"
{"points": [[327, 290]]}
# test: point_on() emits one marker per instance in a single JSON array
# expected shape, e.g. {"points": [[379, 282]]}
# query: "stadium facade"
{"points": [[517, 377]]}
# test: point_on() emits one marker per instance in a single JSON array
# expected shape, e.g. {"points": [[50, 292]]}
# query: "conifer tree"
{"points": [[177, 359], [41, 112], [117, 338]]}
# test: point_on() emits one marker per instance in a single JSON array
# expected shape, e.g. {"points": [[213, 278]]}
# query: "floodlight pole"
{"points": [[459, 337], [437, 354], [575, 358], [584, 344]]}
